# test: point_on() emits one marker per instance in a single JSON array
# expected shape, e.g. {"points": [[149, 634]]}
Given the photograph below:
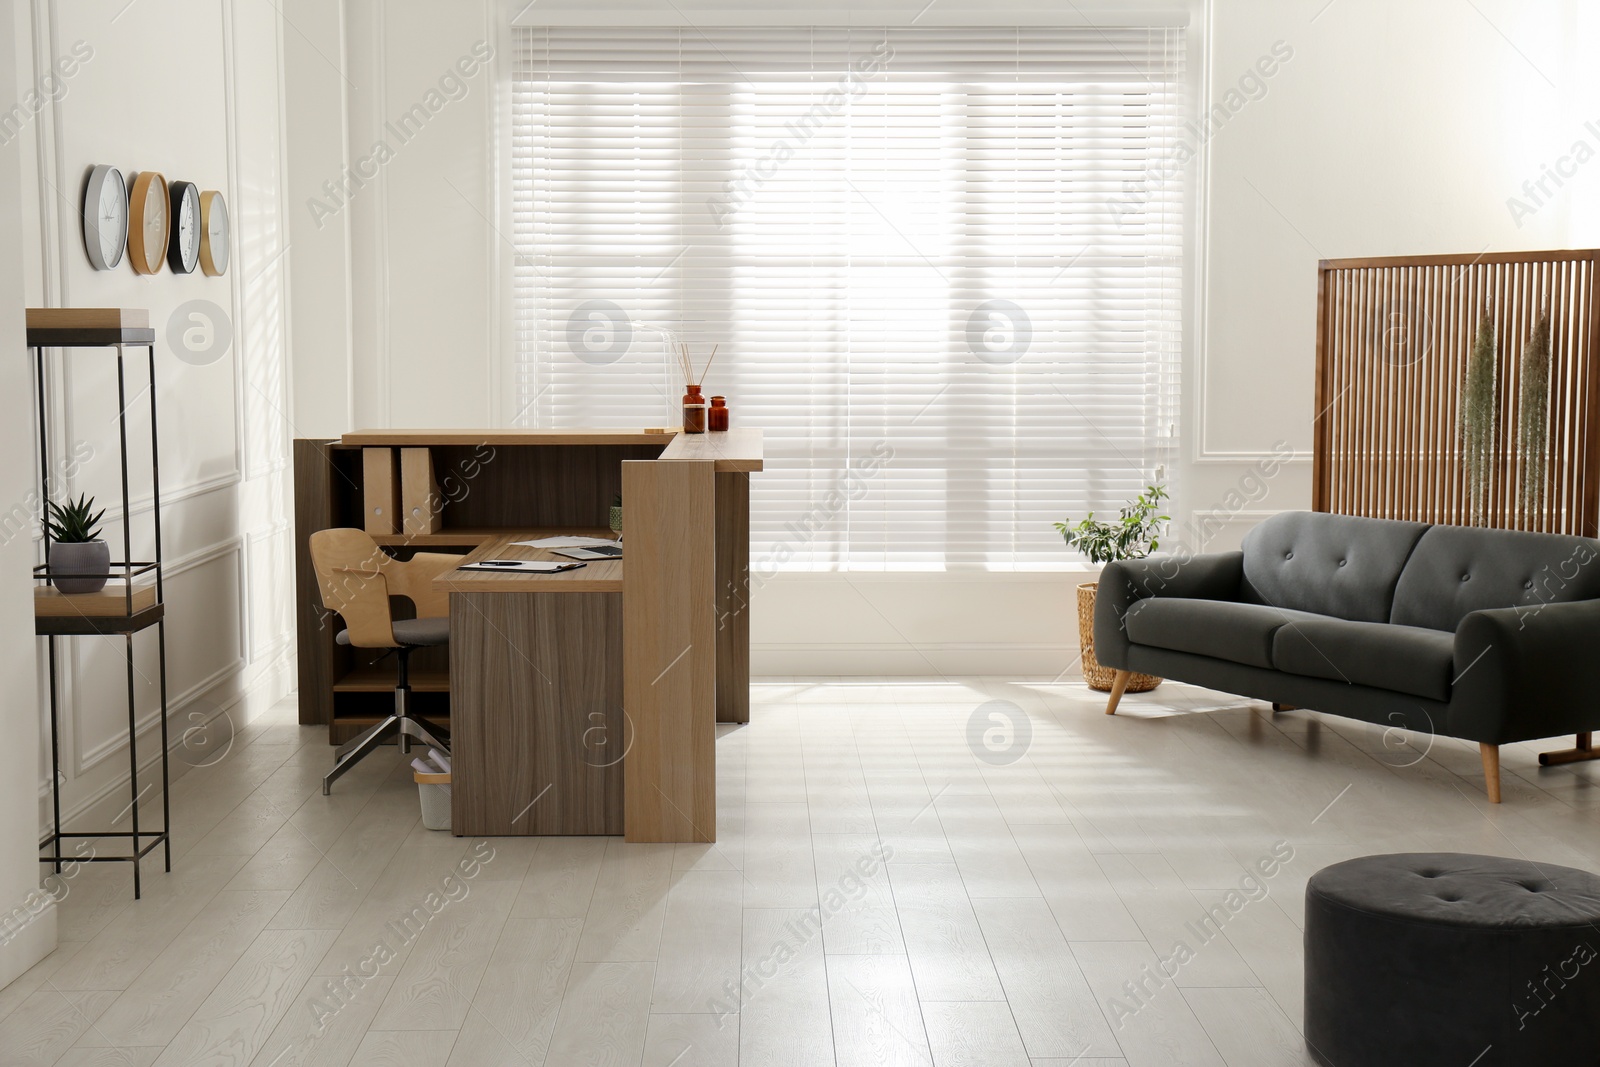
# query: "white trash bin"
{"points": [[433, 787]]}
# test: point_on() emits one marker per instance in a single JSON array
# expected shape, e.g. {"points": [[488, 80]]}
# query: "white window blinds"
{"points": [[943, 267]]}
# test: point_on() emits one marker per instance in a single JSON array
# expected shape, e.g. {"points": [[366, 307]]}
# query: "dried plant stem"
{"points": [[1533, 416], [1478, 418]]}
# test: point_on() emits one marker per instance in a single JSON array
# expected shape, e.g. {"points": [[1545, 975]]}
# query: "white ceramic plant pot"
{"points": [[80, 557]]}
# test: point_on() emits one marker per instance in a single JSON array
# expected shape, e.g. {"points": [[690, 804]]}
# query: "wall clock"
{"points": [[105, 217], [149, 222], [184, 250], [214, 233]]}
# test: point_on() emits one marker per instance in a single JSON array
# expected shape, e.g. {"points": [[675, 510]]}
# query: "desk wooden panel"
{"points": [[536, 694], [670, 640], [733, 597], [536, 712], [319, 504], [517, 488], [736, 450]]}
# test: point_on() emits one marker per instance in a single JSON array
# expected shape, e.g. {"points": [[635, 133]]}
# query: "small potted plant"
{"points": [[1134, 535], [76, 547], [616, 515]]}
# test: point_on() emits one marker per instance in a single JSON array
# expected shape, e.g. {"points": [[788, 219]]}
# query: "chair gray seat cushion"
{"points": [[1222, 629], [414, 633], [1405, 659], [1436, 959]]}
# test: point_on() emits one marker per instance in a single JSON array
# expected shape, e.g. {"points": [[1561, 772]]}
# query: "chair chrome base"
{"points": [[401, 724]]}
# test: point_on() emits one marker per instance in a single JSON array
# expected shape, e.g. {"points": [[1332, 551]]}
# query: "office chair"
{"points": [[356, 579]]}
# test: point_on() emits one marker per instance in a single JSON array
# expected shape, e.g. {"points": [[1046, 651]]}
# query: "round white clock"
{"points": [[213, 233], [105, 217], [184, 250]]}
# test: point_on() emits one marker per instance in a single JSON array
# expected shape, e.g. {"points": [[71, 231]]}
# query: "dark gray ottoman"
{"points": [[1440, 958]]}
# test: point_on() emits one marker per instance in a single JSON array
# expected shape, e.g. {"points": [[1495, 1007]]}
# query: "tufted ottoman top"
{"points": [[1452, 889]]}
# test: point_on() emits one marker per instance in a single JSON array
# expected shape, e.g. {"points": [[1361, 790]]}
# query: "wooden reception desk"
{"points": [[583, 702]]}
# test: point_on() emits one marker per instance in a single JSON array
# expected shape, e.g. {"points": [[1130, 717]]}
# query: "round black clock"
{"points": [[184, 252]]}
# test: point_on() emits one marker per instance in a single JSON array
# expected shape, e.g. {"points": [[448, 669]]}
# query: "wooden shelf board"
{"points": [[109, 603], [464, 536], [357, 723], [482, 535], [88, 327], [404, 438], [76, 625], [738, 449], [381, 678]]}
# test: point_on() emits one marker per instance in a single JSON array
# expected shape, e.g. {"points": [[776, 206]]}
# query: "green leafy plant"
{"points": [[1133, 536], [1533, 414], [74, 522], [1478, 418]]}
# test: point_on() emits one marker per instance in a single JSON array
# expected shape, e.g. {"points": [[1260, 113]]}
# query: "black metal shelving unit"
{"points": [[124, 342]]}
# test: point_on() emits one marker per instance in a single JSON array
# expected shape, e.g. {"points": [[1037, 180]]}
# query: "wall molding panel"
{"points": [[194, 89]]}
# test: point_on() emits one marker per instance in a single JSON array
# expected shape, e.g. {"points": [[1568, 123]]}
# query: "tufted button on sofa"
{"points": [[1486, 635]]}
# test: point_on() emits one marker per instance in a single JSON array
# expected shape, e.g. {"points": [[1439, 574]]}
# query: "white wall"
{"points": [[19, 713], [317, 98], [1392, 128], [190, 88]]}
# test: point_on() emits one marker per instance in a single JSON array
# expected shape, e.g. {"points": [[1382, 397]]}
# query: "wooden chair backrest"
{"points": [[356, 579]]}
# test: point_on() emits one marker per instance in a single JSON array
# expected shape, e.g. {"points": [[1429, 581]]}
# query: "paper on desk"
{"points": [[566, 542]]}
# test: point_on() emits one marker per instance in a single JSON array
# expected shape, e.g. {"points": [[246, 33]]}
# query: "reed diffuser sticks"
{"points": [[686, 364]]}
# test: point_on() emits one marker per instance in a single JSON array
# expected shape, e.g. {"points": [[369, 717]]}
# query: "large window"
{"points": [[943, 268]]}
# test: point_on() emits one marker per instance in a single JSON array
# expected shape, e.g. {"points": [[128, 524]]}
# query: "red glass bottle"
{"points": [[694, 410], [719, 413]]}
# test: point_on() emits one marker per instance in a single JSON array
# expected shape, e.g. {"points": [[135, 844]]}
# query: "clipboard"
{"points": [[519, 566]]}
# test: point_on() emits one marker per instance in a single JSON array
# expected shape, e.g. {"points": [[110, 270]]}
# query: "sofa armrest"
{"points": [[1215, 576], [1527, 672]]}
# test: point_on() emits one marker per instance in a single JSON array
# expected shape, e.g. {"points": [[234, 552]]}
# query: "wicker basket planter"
{"points": [[1098, 677]]}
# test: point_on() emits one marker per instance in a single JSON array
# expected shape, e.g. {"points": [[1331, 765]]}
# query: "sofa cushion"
{"points": [[1222, 629], [1404, 659], [1335, 565], [1460, 569]]}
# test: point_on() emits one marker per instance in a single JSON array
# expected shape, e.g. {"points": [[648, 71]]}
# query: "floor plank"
{"points": [[784, 1011], [605, 1015], [234, 1022], [701, 941], [876, 1017]]}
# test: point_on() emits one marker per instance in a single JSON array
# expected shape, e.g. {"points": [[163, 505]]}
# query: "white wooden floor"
{"points": [[1028, 905]]}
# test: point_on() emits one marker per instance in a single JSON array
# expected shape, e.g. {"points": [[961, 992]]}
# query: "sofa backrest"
{"points": [[1336, 565], [1459, 569]]}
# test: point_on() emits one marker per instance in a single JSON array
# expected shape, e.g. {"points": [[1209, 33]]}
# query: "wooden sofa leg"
{"points": [[1118, 684], [1583, 750], [1276, 707], [1491, 770]]}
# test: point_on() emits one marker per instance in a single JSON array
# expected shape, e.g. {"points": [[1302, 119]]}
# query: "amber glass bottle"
{"points": [[694, 410], [719, 413]]}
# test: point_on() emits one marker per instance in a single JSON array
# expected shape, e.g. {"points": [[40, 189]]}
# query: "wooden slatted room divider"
{"points": [[1393, 337]]}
